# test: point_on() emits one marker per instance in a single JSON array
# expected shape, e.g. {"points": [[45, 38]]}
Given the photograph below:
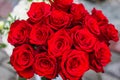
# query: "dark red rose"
{"points": [[74, 64], [109, 32], [59, 42], [19, 32], [40, 34], [79, 12], [59, 19], [45, 65], [100, 57], [27, 73], [61, 4], [38, 11], [84, 40], [91, 24], [112, 32], [99, 16], [22, 60]]}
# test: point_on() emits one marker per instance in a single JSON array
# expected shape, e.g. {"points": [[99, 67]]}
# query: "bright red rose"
{"points": [[45, 65], [74, 64], [91, 24], [38, 11], [84, 40], [40, 34], [109, 32], [22, 60], [79, 12], [61, 4], [100, 57], [59, 19], [59, 43], [19, 33], [74, 29], [99, 16]]}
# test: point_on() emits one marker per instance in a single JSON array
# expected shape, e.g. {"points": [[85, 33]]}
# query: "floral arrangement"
{"points": [[61, 38]]}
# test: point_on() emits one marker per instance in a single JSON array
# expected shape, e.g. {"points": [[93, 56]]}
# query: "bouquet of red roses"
{"points": [[61, 38]]}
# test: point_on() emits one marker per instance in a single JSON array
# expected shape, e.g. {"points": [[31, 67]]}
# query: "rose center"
{"points": [[74, 63], [24, 59], [45, 64]]}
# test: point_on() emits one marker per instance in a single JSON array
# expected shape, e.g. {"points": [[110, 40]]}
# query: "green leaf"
{"points": [[2, 45], [29, 0], [1, 32], [21, 78], [9, 62], [43, 78]]}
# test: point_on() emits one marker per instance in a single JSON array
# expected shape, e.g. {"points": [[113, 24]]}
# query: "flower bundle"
{"points": [[61, 38]]}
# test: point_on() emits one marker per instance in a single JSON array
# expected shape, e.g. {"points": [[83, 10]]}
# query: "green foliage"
{"points": [[9, 62], [43, 78], [29, 0], [7, 24], [4, 27], [21, 78], [2, 45]]}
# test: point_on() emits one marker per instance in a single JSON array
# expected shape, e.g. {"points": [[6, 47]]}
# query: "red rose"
{"points": [[38, 11], [109, 32], [19, 32], [45, 65], [79, 12], [74, 29], [74, 64], [84, 40], [99, 16], [59, 43], [59, 19], [40, 34], [91, 24], [22, 60], [61, 4], [100, 57], [112, 33]]}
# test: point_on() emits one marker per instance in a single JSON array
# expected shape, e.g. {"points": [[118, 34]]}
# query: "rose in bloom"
{"points": [[74, 64], [19, 32], [91, 24], [61, 4], [74, 29], [59, 19], [79, 12], [84, 40], [112, 33], [59, 42], [109, 32], [22, 60], [99, 16], [40, 34], [100, 57], [45, 65], [38, 11]]}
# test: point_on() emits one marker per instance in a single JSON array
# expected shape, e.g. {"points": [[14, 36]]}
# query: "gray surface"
{"points": [[6, 7]]}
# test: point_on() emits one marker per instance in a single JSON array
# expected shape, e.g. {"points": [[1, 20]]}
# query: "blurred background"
{"points": [[14, 9]]}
